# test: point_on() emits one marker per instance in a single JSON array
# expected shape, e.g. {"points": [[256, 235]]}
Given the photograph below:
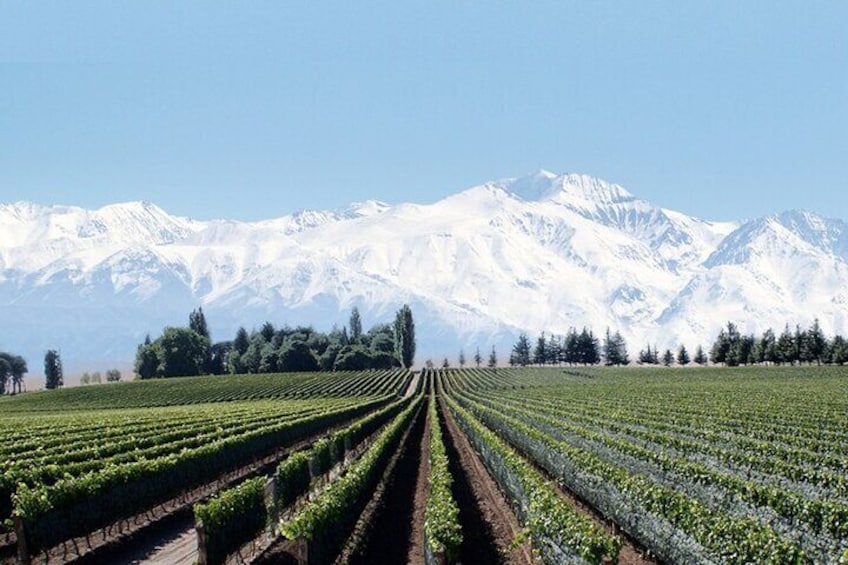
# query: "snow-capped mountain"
{"points": [[543, 252]]}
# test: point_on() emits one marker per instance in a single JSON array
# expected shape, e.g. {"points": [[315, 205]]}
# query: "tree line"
{"points": [[791, 347], [574, 348], [187, 351]]}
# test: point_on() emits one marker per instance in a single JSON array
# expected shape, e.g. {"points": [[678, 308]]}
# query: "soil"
{"points": [[488, 524], [392, 526]]}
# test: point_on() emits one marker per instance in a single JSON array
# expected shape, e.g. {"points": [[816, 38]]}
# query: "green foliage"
{"points": [[441, 515], [297, 356], [330, 517], [232, 518], [404, 330], [547, 517]]}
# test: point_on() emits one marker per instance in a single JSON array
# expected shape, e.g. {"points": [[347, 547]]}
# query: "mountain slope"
{"points": [[541, 252]]}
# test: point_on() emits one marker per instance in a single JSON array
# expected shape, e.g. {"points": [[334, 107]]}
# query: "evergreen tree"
{"points": [[355, 325], [615, 349], [588, 352], [700, 356], [838, 350], [649, 356], [461, 358], [478, 359], [668, 358], [53, 369], [572, 347], [493, 359], [540, 352], [197, 322], [445, 364], [814, 343], [267, 332], [241, 342], [766, 349], [521, 351], [786, 347], [404, 330], [554, 350], [682, 356]]}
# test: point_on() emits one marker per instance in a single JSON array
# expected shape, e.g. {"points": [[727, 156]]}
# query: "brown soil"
{"points": [[416, 536], [488, 524], [386, 531]]}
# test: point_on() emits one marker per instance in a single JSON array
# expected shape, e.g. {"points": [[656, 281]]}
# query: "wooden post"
{"points": [[20, 533], [202, 558]]}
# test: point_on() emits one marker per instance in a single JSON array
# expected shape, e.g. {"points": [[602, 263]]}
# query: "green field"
{"points": [[729, 465]]}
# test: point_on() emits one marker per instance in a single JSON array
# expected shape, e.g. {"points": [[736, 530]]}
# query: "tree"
{"points": [[85, 379], [5, 372], [461, 358], [839, 350], [445, 364], [649, 356], [353, 358], [113, 376], [96, 378], [587, 348], [182, 352], [814, 344], [786, 347], [355, 325], [241, 342], [540, 352], [668, 358], [17, 368], [477, 358], [146, 360], [683, 356], [615, 349], [267, 332], [521, 351], [404, 330], [52, 369], [197, 322], [297, 356], [493, 359], [700, 356]]}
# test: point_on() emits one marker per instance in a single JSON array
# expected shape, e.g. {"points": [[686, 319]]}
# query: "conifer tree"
{"points": [[700, 356], [197, 322], [540, 352], [683, 356], [241, 342], [668, 358], [521, 351], [478, 359], [493, 359], [461, 358]]}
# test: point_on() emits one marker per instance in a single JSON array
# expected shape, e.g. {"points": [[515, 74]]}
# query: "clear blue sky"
{"points": [[256, 109]]}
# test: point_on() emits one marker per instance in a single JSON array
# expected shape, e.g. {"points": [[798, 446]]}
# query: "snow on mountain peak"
{"points": [[539, 252]]}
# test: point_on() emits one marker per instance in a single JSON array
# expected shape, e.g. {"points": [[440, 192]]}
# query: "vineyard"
{"points": [[532, 465]]}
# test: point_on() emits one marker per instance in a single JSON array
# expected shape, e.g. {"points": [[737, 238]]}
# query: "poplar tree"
{"points": [[404, 332], [53, 369]]}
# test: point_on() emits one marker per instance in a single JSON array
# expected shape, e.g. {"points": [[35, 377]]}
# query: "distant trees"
{"points": [[493, 359], [189, 351], [791, 347], [683, 356], [477, 358], [52, 369], [113, 376], [574, 348], [12, 370]]}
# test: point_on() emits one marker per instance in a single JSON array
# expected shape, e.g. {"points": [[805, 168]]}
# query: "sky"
{"points": [[252, 110]]}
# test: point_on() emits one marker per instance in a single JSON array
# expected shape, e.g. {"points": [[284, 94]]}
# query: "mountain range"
{"points": [[543, 252]]}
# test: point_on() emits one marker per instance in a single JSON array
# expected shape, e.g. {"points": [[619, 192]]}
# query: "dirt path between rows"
{"points": [[413, 385], [488, 524], [387, 532], [415, 554]]}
